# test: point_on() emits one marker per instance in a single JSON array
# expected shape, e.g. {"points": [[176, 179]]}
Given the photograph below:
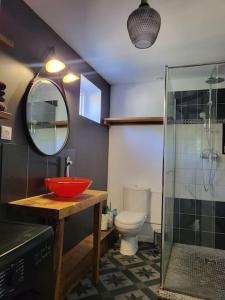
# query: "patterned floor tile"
{"points": [[150, 294], [115, 280], [150, 254], [154, 288], [134, 295], [140, 285], [128, 260], [106, 264], [83, 290], [123, 277], [144, 273]]}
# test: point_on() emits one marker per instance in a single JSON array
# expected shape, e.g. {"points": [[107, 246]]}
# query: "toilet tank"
{"points": [[136, 198]]}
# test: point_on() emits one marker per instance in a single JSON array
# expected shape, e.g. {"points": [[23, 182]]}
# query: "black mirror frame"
{"points": [[31, 84]]}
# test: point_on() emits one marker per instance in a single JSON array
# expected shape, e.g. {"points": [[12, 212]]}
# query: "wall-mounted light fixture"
{"points": [[55, 65], [70, 76]]}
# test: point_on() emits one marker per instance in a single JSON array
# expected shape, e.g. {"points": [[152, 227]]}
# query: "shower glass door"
{"points": [[168, 185], [193, 256]]}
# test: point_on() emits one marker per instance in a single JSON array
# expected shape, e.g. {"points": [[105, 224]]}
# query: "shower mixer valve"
{"points": [[215, 156], [207, 154]]}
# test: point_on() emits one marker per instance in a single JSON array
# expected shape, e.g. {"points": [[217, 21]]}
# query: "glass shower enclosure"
{"points": [[193, 230]]}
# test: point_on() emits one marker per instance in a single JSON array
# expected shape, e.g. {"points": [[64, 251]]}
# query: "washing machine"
{"points": [[26, 261]]}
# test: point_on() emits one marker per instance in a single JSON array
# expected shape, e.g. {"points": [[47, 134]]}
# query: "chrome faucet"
{"points": [[68, 163]]}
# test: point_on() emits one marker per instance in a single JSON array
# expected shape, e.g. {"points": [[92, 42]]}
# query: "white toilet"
{"points": [[130, 221]]}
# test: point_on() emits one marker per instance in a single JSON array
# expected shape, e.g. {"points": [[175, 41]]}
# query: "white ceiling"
{"points": [[193, 31]]}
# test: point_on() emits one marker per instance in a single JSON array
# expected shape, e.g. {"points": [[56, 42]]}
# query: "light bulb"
{"points": [[54, 65], [70, 77]]}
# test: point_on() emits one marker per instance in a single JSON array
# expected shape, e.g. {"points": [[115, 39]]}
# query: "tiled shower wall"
{"points": [[189, 176], [199, 222], [189, 104], [199, 216]]}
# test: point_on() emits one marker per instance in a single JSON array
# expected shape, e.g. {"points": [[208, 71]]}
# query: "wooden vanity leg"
{"points": [[58, 248], [97, 241]]}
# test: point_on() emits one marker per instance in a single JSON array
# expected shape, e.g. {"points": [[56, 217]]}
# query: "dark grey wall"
{"points": [[22, 167]]}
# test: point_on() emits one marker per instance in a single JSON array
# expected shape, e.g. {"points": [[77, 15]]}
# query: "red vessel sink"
{"points": [[66, 186]]}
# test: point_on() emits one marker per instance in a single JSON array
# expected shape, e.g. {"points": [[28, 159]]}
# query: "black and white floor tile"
{"points": [[123, 277]]}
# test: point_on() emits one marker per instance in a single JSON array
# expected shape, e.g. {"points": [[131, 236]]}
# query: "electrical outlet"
{"points": [[6, 133]]}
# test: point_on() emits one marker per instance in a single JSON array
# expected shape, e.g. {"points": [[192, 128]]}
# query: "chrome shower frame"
{"points": [[163, 190]]}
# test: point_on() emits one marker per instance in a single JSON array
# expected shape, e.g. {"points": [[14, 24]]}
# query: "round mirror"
{"points": [[47, 116]]}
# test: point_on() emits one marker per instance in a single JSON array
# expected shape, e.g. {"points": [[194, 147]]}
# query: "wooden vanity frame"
{"points": [[55, 212]]}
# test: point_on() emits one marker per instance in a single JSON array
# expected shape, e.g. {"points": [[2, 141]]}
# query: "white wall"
{"points": [[136, 152], [143, 99]]}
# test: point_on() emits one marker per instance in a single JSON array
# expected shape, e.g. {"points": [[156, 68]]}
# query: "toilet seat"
{"points": [[129, 219]]}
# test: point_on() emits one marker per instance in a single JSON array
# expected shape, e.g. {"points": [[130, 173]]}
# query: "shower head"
{"points": [[214, 80]]}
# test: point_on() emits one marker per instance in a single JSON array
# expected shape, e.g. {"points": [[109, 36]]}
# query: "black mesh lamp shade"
{"points": [[143, 26]]}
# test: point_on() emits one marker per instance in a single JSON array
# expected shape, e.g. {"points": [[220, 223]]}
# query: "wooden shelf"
{"points": [[77, 261], [105, 233], [59, 123], [5, 115], [49, 124], [134, 121]]}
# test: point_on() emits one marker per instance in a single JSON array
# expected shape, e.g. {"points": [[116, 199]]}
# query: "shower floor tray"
{"points": [[197, 271]]}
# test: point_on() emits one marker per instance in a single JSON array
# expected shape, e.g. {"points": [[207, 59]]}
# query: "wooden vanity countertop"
{"points": [[47, 206]]}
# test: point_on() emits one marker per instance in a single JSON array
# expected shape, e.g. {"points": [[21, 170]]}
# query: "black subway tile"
{"points": [[37, 171], [220, 241], [220, 209], [205, 208], [187, 236], [206, 223], [176, 235], [220, 225], [221, 96], [221, 111], [189, 112], [14, 172], [187, 221], [179, 113], [205, 239], [176, 220], [178, 97], [203, 97], [176, 205], [189, 98], [54, 167], [187, 206]]}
